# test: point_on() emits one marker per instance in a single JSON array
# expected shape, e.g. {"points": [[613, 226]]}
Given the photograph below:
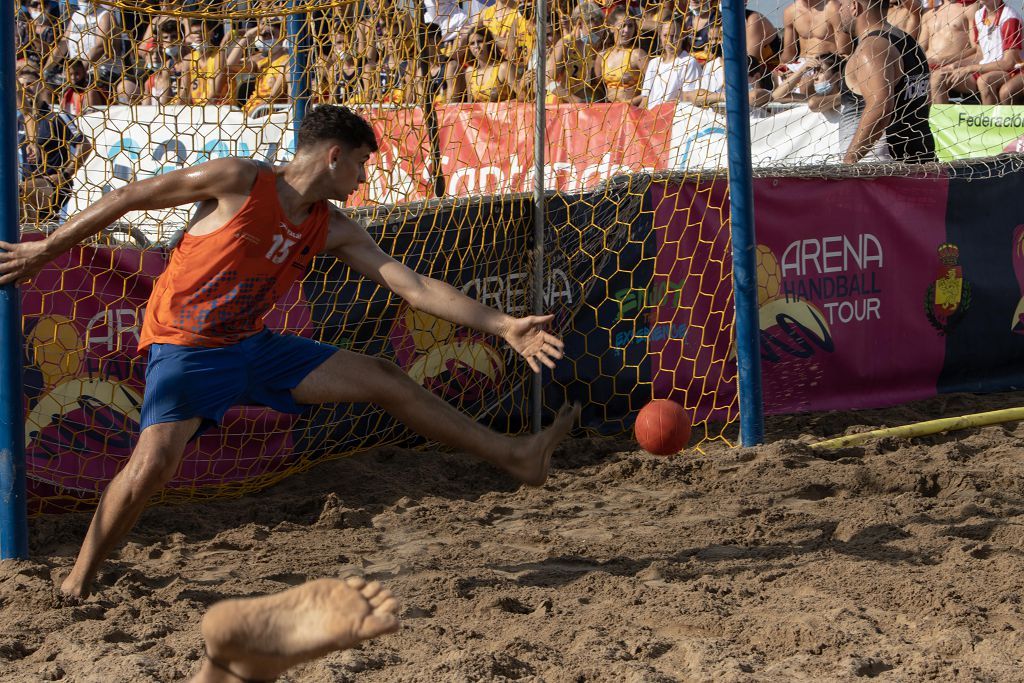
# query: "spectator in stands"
{"points": [[826, 73], [386, 29], [127, 91], [514, 34], [671, 73], [764, 48], [80, 92], [92, 33], [393, 83], [906, 16], [885, 89], [339, 77], [947, 31], [449, 16], [161, 87], [620, 68], [204, 78], [432, 83], [50, 149], [44, 47], [810, 28], [263, 50], [699, 19], [148, 45], [997, 34], [710, 89], [570, 67], [488, 78]]}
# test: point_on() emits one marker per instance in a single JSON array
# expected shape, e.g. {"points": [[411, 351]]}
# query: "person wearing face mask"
{"points": [[161, 86], [263, 51], [570, 64], [204, 80], [42, 47], [621, 67], [825, 73], [80, 93]]}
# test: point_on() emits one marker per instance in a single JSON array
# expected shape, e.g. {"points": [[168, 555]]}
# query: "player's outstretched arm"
{"points": [[20, 262], [350, 243]]}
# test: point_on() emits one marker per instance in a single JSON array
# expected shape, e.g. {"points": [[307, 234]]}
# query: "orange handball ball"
{"points": [[662, 427]]}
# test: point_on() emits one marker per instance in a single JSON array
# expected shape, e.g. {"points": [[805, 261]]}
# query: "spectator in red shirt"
{"points": [[997, 37], [80, 93]]}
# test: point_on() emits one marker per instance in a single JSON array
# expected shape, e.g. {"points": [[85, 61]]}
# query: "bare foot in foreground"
{"points": [[531, 458], [260, 638]]}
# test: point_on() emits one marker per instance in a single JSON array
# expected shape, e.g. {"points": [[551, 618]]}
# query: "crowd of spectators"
{"points": [[74, 55]]}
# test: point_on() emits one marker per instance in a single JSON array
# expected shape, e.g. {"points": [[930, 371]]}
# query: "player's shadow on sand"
{"points": [[871, 544]]}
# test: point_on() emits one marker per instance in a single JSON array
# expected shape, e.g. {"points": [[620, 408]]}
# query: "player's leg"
{"points": [[152, 464], [260, 638], [347, 377]]}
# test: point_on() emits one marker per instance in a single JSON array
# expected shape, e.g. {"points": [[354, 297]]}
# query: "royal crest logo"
{"points": [[949, 297]]}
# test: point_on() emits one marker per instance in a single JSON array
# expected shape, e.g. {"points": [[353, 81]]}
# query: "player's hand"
{"points": [[529, 337], [20, 262]]}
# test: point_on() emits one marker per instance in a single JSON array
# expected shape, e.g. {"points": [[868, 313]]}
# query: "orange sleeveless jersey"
{"points": [[218, 287]]}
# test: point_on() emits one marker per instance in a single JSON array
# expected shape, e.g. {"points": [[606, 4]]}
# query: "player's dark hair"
{"points": [[341, 124]]}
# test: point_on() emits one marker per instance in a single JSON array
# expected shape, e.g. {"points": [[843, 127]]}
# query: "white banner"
{"points": [[794, 136], [133, 143]]}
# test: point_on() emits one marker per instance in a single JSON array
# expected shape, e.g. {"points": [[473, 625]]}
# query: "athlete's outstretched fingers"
{"points": [[533, 364]]}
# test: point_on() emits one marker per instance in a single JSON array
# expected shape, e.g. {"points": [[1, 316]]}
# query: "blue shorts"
{"points": [[183, 382]]}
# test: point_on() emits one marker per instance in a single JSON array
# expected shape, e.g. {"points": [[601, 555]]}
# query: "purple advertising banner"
{"points": [[844, 268]]}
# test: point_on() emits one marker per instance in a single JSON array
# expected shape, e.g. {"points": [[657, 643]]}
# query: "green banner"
{"points": [[970, 131]]}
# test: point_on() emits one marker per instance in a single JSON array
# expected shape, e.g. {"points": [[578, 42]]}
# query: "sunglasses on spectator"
{"points": [[36, 3]]}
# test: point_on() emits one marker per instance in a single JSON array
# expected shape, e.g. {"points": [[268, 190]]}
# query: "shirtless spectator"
{"points": [[946, 36], [811, 28], [570, 67], [997, 35], [764, 48], [673, 72], [906, 16], [264, 51], [621, 67]]}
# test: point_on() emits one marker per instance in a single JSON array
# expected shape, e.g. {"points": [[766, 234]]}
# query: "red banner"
{"points": [[488, 148], [399, 171]]}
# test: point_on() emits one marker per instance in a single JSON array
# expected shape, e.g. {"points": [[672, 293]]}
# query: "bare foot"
{"points": [[260, 638], [74, 590], [531, 457]]}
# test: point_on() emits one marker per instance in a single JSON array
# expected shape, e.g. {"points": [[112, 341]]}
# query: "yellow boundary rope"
{"points": [[946, 424]]}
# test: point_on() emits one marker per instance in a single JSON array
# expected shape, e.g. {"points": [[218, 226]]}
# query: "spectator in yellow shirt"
{"points": [[204, 80], [514, 34], [264, 51]]}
